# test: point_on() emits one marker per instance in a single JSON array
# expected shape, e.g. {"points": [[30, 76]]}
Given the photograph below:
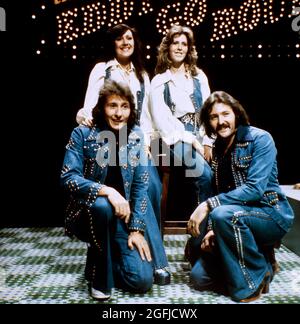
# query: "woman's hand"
{"points": [[208, 241], [196, 219], [120, 204], [148, 151], [136, 239], [87, 122], [198, 147], [207, 153]]}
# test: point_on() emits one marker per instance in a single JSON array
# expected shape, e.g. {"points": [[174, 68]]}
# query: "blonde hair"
{"points": [[163, 59]]}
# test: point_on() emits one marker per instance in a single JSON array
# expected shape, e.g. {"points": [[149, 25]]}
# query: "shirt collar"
{"points": [[116, 65], [243, 134], [170, 76]]}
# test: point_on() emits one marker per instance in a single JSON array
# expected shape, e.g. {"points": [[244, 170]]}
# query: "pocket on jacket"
{"points": [[243, 162], [271, 197]]}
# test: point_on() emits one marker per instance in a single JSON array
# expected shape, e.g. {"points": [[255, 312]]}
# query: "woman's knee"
{"points": [[155, 185], [207, 173]]}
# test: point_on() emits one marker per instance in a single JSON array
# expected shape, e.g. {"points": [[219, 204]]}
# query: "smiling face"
{"points": [[222, 120], [116, 111], [124, 47], [178, 49]]}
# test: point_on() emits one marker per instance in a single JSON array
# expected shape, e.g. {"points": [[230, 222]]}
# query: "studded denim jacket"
{"points": [[85, 168], [254, 169]]}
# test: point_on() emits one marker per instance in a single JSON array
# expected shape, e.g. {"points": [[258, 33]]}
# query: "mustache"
{"points": [[219, 127]]}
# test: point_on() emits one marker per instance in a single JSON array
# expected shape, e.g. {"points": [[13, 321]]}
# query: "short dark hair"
{"points": [[225, 98], [111, 88]]}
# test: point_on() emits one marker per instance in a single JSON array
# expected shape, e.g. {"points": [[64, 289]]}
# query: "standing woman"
{"points": [[177, 93], [123, 64]]}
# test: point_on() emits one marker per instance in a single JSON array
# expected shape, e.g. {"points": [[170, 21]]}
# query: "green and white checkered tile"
{"points": [[42, 266]]}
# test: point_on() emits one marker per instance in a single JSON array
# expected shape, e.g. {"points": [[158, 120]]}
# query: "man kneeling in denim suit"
{"points": [[248, 213], [105, 173]]}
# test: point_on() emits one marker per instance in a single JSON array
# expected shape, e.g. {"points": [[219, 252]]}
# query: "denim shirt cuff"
{"points": [[137, 225], [213, 202], [93, 194], [209, 225]]}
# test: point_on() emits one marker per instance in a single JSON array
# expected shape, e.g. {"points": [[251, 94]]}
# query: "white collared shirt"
{"points": [[118, 74], [167, 124]]}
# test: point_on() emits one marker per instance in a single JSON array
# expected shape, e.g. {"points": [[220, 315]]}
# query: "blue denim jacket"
{"points": [[85, 168], [254, 169]]}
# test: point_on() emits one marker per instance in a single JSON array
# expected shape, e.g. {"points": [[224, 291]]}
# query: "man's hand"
{"points": [[196, 219], [120, 204], [208, 241], [136, 239]]}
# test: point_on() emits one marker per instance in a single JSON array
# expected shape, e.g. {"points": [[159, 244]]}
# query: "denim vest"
{"points": [[139, 94], [196, 98]]}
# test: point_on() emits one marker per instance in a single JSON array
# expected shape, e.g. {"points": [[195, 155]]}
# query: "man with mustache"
{"points": [[248, 213]]}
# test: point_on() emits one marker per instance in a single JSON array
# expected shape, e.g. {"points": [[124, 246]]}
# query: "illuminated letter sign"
{"points": [[227, 22], [2, 20], [296, 21]]}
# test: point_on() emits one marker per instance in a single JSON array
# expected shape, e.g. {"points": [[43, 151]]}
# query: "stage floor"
{"points": [[42, 266]]}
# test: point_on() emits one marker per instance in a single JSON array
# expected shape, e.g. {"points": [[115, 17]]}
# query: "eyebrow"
{"points": [[178, 41], [115, 103], [221, 113]]}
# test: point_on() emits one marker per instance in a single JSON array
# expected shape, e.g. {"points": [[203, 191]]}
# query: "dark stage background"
{"points": [[40, 94]]}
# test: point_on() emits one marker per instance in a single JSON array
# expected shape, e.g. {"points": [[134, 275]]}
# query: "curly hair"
{"points": [[112, 35], [111, 88], [163, 59], [241, 115]]}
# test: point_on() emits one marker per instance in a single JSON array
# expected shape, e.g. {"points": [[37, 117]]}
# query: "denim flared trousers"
{"points": [[155, 190], [110, 263], [241, 232]]}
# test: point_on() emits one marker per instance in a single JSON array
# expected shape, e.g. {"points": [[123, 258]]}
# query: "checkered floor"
{"points": [[42, 266]]}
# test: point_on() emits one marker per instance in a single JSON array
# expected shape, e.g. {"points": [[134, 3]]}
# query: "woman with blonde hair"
{"points": [[178, 91]]}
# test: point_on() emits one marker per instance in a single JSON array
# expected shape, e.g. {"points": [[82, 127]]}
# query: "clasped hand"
{"points": [[208, 241], [120, 204]]}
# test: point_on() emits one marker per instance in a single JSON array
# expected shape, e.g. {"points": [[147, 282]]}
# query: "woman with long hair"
{"points": [[178, 91]]}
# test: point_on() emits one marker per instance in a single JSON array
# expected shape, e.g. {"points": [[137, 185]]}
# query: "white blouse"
{"points": [[171, 129], [118, 74]]}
